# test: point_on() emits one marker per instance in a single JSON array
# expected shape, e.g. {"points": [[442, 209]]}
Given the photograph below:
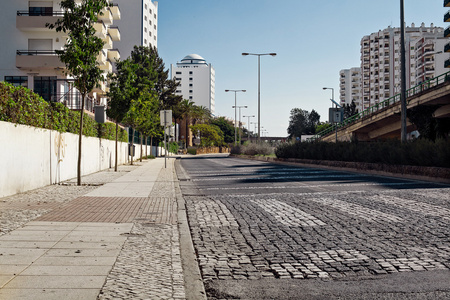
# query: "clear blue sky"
{"points": [[314, 40]]}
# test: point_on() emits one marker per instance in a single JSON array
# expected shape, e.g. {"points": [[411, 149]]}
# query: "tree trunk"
{"points": [[141, 146], [116, 155], [146, 147], [132, 145], [187, 133], [151, 145], [80, 135]]}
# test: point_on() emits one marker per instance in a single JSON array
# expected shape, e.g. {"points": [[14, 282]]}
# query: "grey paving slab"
{"points": [[93, 239], [88, 245], [75, 261], [26, 244], [55, 282], [49, 294], [4, 279], [67, 270], [82, 252], [18, 259], [12, 269]]}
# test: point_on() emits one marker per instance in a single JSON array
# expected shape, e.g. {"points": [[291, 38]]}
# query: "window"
{"points": [[145, 29], [191, 91], [17, 80], [177, 78], [178, 91], [145, 6], [145, 18], [190, 84], [40, 11], [45, 86], [145, 41], [190, 98], [191, 79], [190, 72]]}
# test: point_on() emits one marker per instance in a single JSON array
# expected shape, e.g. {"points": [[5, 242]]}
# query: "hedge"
{"points": [[21, 106]]}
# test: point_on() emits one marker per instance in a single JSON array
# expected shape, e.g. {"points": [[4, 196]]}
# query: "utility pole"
{"points": [[403, 73]]}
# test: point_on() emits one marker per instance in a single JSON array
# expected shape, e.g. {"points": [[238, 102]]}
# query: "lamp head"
{"points": [[273, 54], [245, 54], [227, 90]]}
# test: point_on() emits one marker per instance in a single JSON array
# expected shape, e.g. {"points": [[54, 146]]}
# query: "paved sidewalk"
{"points": [[119, 241]]}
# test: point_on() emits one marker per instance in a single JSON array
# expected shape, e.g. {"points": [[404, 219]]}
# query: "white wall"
{"points": [[34, 157]]}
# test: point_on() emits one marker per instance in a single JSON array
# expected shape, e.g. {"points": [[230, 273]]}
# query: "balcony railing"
{"points": [[42, 13], [36, 52]]}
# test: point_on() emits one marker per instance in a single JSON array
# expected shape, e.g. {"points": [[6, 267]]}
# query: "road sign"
{"points": [[336, 115], [166, 117]]}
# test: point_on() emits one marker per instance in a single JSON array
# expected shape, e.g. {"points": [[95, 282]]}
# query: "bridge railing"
{"points": [[386, 103]]}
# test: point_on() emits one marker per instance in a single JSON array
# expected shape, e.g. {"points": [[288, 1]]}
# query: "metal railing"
{"points": [[384, 104], [41, 13], [36, 52]]}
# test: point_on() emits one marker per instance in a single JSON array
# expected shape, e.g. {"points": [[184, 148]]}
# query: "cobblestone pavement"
{"points": [[255, 220], [149, 264]]}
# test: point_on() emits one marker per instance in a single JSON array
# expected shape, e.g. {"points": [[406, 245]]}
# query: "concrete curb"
{"points": [[323, 165], [193, 283]]}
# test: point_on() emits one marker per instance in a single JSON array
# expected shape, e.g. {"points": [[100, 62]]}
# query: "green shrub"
{"points": [[418, 153], [253, 149], [21, 106]]}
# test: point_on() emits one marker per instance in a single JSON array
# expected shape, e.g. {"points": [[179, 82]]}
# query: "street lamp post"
{"points": [[248, 126], [243, 106], [333, 101], [403, 73], [235, 113], [259, 86]]}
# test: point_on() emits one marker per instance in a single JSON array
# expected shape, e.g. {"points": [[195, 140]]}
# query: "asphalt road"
{"points": [[272, 231]]}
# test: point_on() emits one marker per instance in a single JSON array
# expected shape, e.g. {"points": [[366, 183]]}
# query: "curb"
{"points": [[375, 169], [193, 282]]}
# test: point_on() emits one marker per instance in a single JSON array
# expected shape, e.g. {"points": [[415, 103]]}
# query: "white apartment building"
{"points": [[380, 61], [350, 86], [197, 80], [138, 25], [28, 51]]}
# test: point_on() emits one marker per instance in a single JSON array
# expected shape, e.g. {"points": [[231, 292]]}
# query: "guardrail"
{"points": [[384, 104]]}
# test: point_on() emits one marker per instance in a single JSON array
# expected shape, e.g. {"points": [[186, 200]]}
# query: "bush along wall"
{"points": [[21, 106], [419, 152]]}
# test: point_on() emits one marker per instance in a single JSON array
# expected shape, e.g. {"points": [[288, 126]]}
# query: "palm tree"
{"points": [[186, 110], [201, 114]]}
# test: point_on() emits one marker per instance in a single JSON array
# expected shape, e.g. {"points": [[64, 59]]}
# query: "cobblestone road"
{"points": [[255, 220]]}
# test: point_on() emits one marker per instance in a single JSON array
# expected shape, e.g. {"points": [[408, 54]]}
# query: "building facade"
{"points": [[197, 80], [138, 25], [29, 59], [380, 68], [350, 86]]}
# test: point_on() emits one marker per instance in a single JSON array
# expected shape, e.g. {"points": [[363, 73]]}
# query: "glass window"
{"points": [[45, 86], [17, 80]]}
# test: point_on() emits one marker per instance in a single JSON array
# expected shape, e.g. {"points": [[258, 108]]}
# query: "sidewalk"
{"points": [[119, 241]]}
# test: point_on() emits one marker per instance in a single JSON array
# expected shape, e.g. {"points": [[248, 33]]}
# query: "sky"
{"points": [[313, 40]]}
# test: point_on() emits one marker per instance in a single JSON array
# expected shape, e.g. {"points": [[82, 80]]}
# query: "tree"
{"points": [[302, 122], [81, 50], [120, 94], [210, 135], [350, 110], [226, 127]]}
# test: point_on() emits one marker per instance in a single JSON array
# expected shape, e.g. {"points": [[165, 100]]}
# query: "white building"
{"points": [[350, 86], [28, 50], [138, 25], [197, 80], [380, 61]]}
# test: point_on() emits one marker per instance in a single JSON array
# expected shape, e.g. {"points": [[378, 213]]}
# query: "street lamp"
{"points": [[259, 85], [248, 126], [333, 102], [403, 127], [243, 106], [235, 113]]}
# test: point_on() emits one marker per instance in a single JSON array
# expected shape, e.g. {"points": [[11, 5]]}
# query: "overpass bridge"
{"points": [[382, 121]]}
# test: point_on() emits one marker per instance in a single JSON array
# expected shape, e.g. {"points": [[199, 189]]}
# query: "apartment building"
{"points": [[28, 51], [197, 80], [138, 25], [380, 61], [350, 86]]}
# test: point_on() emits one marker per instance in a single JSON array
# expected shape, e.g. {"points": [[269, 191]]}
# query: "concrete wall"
{"points": [[34, 157]]}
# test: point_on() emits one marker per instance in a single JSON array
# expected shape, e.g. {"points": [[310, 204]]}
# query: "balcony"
{"points": [[113, 54], [108, 42], [114, 32], [447, 63], [38, 59], [107, 67], [446, 3], [447, 48], [447, 17], [106, 16], [101, 58], [115, 11], [27, 21], [100, 30]]}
